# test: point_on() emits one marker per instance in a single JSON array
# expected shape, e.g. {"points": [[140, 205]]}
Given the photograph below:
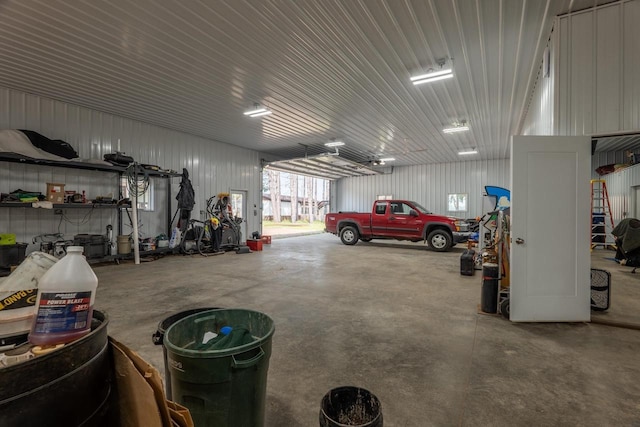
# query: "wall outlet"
{"points": [[57, 211]]}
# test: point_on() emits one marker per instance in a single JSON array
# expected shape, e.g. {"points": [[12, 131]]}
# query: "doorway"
{"points": [[239, 210]]}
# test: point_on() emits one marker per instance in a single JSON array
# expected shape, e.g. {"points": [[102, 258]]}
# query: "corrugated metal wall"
{"points": [[599, 64], [620, 186], [540, 114], [213, 166], [608, 158], [428, 185]]}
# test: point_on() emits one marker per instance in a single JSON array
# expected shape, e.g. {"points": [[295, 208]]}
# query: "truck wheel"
{"points": [[349, 235], [439, 240]]}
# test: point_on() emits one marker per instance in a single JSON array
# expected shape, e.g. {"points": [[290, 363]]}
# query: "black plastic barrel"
{"points": [[158, 339], [489, 297], [225, 387], [67, 387], [350, 406]]}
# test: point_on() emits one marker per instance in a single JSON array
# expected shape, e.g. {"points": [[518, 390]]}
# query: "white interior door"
{"points": [[550, 229]]}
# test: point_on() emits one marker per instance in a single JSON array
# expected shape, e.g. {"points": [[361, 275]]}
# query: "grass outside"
{"points": [[288, 227]]}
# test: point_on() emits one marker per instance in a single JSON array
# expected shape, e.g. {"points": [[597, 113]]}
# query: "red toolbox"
{"points": [[254, 245], [266, 240]]}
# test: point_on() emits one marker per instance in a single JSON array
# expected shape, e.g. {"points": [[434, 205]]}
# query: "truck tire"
{"points": [[349, 235], [439, 240]]}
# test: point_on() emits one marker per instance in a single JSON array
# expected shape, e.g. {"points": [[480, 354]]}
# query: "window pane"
{"points": [[457, 202]]}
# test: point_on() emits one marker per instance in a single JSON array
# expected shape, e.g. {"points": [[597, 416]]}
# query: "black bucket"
{"points": [[350, 406], [67, 387], [489, 297], [158, 339]]}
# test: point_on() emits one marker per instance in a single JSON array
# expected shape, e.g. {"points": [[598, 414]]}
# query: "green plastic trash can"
{"points": [[222, 388]]}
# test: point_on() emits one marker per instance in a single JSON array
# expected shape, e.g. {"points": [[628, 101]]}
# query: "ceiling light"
{"points": [[388, 159], [465, 152], [257, 111], [334, 144], [262, 113], [457, 127], [441, 73], [432, 79]]}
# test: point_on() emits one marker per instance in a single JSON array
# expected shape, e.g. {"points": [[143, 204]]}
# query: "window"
{"points": [[457, 202], [381, 208], [400, 208], [145, 201]]}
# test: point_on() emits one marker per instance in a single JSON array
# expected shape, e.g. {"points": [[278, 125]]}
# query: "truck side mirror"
{"points": [[413, 212]]}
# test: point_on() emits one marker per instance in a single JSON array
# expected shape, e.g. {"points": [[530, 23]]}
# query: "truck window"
{"points": [[381, 208], [401, 208]]}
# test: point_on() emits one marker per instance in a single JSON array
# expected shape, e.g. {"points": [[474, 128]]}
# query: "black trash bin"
{"points": [[489, 297], [223, 387], [350, 406], [158, 339], [70, 386]]}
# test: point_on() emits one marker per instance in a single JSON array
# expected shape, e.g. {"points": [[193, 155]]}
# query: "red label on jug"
{"points": [[63, 312]]}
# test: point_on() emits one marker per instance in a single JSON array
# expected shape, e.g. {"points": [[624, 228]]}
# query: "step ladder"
{"points": [[601, 219]]}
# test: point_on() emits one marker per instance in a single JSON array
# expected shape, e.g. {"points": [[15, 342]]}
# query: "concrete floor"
{"points": [[399, 321]]}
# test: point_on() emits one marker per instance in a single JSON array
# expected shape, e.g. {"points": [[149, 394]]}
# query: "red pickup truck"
{"points": [[399, 220]]}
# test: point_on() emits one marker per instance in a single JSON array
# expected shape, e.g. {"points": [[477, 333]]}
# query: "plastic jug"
{"points": [[66, 294]]}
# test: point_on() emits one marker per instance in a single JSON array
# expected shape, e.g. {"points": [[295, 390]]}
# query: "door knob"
{"points": [[520, 241]]}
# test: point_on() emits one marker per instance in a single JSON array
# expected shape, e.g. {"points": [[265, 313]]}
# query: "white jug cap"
{"points": [[75, 249]]}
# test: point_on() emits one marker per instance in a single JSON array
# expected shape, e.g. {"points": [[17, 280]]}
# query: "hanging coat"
{"points": [[186, 195]]}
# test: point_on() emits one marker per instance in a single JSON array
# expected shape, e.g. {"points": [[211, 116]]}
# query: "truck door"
{"points": [[379, 218], [401, 223]]}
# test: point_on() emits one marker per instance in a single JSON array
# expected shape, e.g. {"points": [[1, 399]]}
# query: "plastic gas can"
{"points": [[66, 294]]}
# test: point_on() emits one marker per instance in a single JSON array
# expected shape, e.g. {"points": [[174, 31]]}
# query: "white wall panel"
{"points": [[213, 167], [599, 62], [428, 185], [631, 65], [540, 114], [621, 193]]}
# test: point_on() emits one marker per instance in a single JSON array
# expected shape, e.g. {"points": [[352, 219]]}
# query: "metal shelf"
{"points": [[64, 205], [18, 158]]}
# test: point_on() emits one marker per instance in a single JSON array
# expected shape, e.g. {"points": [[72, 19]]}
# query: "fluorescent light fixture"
{"points": [[465, 152], [255, 110], [334, 144], [261, 113], [454, 129], [458, 126], [433, 76], [388, 159], [432, 79]]}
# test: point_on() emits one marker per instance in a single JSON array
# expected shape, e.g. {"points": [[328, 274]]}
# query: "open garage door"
{"points": [[327, 166]]}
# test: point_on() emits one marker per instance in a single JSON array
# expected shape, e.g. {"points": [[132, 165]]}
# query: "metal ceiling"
{"points": [[327, 69], [617, 143]]}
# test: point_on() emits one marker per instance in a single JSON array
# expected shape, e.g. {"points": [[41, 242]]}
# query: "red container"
{"points": [[266, 240], [254, 245]]}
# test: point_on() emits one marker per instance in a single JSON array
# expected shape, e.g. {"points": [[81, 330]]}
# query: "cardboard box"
{"points": [[55, 192], [254, 245], [140, 399]]}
